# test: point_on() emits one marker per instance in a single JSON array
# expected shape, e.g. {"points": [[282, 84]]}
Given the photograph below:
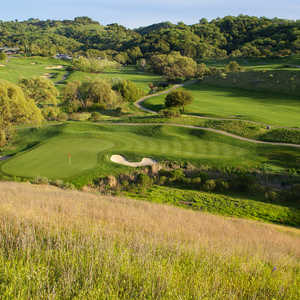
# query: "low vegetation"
{"points": [[125, 249]]}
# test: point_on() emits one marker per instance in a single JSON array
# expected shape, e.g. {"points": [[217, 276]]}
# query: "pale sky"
{"points": [[135, 13]]}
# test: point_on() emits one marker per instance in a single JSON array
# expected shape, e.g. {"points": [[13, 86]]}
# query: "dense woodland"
{"points": [[221, 37]]}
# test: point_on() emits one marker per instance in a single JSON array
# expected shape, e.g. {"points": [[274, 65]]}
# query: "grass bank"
{"points": [[64, 245]]}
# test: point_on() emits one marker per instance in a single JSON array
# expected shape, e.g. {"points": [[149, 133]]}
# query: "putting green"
{"points": [[90, 147]]}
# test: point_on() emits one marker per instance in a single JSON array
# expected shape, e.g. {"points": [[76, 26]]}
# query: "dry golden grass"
{"points": [[149, 221], [142, 226]]}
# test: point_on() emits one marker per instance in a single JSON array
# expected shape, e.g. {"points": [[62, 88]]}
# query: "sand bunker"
{"points": [[54, 67], [2, 65], [118, 159]]}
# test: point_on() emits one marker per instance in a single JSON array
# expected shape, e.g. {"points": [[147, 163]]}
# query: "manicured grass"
{"points": [[225, 102], [260, 63], [17, 68], [141, 79], [91, 146]]}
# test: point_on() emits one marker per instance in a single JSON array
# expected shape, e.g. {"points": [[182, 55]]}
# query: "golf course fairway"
{"points": [[74, 149]]}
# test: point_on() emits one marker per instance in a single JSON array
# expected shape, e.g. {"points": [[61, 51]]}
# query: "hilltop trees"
{"points": [[221, 37], [178, 99], [15, 109]]}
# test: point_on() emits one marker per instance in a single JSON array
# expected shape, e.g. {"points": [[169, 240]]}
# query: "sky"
{"points": [[136, 13]]}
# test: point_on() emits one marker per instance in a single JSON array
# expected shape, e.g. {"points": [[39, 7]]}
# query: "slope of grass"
{"points": [[70, 245], [91, 145], [281, 212], [141, 79], [214, 101], [285, 63]]}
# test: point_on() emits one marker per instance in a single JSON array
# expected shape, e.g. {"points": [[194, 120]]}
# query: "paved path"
{"points": [[207, 129], [4, 157], [139, 104]]}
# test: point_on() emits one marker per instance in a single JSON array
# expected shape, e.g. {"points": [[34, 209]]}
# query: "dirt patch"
{"points": [[118, 159], [54, 67]]}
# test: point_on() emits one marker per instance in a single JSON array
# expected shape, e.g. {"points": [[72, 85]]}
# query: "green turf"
{"points": [[225, 102], [141, 79], [250, 207], [17, 68], [91, 146], [285, 63]]}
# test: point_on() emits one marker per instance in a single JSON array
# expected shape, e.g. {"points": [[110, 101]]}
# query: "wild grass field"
{"points": [[91, 145], [69, 245], [224, 102]]}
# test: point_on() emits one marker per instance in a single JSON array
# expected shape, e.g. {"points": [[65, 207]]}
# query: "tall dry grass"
{"points": [[58, 244]]}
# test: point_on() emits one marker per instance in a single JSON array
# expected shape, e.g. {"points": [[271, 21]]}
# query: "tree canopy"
{"points": [[15, 109], [229, 36], [178, 99]]}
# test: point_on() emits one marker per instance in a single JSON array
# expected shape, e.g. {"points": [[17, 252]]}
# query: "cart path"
{"points": [[206, 129], [139, 104]]}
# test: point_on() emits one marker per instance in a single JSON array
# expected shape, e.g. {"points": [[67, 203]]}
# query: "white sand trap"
{"points": [[54, 67], [2, 65], [118, 159]]}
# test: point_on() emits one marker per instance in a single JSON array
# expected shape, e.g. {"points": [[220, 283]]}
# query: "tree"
{"points": [[93, 65], [83, 95], [15, 109], [233, 67], [174, 66], [3, 56], [41, 90], [178, 99], [128, 90]]}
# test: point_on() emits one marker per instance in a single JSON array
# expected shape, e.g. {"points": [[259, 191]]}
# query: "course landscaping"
{"points": [[91, 145], [224, 102]]}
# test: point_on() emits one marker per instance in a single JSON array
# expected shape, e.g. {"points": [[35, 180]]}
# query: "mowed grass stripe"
{"points": [[268, 108], [91, 145]]}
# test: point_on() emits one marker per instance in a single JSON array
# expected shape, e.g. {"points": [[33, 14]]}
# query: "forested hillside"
{"points": [[229, 36]]}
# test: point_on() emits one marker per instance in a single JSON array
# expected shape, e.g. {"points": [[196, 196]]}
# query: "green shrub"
{"points": [[95, 116], [170, 113], [222, 186], [210, 185], [40, 180], [144, 180], [196, 180], [162, 180], [271, 195], [62, 117]]}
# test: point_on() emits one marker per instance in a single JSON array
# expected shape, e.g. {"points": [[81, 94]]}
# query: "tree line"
{"points": [[222, 37]]}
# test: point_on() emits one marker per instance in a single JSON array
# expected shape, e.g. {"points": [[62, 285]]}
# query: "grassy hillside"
{"points": [[91, 146], [62, 245], [226, 102], [251, 207]]}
